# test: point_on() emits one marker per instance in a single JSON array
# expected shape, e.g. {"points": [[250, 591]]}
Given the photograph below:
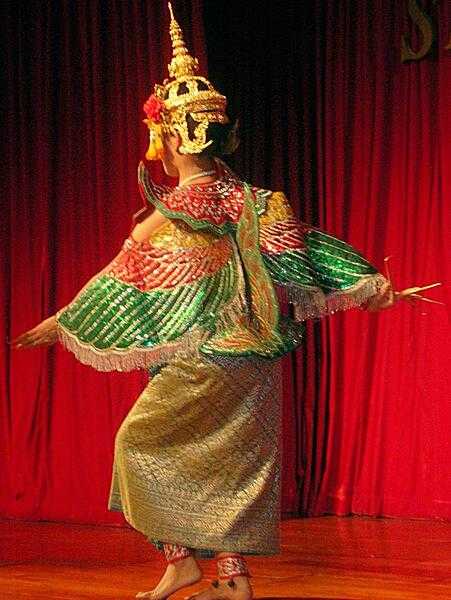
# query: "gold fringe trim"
{"points": [[188, 345], [112, 359], [309, 303], [313, 303]]}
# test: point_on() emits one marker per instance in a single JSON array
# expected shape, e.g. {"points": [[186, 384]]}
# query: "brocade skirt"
{"points": [[197, 459]]}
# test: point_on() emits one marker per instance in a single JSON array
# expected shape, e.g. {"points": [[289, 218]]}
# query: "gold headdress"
{"points": [[184, 94]]}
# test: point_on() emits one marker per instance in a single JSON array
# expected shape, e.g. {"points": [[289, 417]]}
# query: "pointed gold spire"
{"points": [[182, 62], [184, 94]]}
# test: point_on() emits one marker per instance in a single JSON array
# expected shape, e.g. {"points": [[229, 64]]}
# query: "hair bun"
{"points": [[232, 140]]}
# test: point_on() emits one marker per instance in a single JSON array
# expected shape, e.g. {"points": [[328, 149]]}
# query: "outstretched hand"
{"points": [[43, 334], [388, 297], [385, 298]]}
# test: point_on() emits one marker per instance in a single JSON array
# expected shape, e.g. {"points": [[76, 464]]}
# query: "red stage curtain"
{"points": [[383, 416], [358, 141], [361, 144], [78, 74]]}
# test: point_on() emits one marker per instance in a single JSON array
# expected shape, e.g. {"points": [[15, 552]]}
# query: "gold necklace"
{"points": [[196, 176]]}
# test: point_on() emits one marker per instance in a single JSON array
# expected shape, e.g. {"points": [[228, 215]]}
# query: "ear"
{"points": [[172, 141], [176, 140]]}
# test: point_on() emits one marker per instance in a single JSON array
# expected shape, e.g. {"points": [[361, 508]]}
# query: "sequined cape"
{"points": [[209, 281]]}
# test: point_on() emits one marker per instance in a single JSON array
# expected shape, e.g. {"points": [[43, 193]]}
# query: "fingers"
{"points": [[384, 299], [411, 294], [19, 339], [22, 340], [42, 334], [27, 335], [30, 339]]}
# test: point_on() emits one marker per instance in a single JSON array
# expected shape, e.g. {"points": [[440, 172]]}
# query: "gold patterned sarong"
{"points": [[197, 459]]}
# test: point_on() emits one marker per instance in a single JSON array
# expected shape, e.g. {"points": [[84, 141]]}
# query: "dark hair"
{"points": [[224, 137]]}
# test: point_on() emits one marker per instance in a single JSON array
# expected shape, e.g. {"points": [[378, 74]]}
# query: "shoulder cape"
{"points": [[208, 284], [317, 272]]}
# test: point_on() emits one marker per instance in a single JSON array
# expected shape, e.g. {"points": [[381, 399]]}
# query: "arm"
{"points": [[141, 232], [45, 333], [88, 283]]}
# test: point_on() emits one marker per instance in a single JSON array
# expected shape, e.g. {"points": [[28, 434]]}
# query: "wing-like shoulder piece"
{"points": [[181, 291], [205, 283], [318, 272], [153, 302], [216, 207]]}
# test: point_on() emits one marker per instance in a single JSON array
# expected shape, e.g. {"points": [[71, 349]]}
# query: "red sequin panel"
{"points": [[282, 235], [217, 203], [147, 268], [174, 552], [201, 205]]}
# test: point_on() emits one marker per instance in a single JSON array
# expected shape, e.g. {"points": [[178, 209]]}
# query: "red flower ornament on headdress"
{"points": [[154, 107]]}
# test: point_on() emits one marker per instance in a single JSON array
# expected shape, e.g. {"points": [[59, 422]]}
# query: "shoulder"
{"points": [[150, 224], [277, 208]]}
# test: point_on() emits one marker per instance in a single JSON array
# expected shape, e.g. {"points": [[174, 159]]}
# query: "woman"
{"points": [[191, 297]]}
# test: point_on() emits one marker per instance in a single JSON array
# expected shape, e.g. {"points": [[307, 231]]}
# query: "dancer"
{"points": [[192, 298]]}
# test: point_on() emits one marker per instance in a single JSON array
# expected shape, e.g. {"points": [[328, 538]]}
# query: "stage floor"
{"points": [[323, 558]]}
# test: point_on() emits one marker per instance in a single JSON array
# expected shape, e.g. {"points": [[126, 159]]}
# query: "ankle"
{"points": [[232, 566], [188, 562], [175, 553]]}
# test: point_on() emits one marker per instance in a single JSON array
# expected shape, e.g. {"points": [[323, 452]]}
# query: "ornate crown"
{"points": [[186, 94]]}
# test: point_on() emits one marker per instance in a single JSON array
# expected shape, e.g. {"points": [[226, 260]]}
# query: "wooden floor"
{"points": [[322, 558]]}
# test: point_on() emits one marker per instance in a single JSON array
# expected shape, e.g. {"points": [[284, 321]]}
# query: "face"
{"points": [[169, 158]]}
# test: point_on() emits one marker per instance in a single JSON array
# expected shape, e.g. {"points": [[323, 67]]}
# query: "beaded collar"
{"points": [[216, 206]]}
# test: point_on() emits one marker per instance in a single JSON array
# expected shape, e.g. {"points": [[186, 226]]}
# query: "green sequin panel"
{"points": [[326, 262], [292, 266], [110, 313]]}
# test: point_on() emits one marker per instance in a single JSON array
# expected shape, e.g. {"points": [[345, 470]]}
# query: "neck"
{"points": [[197, 165]]}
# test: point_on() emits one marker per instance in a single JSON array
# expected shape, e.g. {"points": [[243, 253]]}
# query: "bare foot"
{"points": [[177, 575], [241, 590]]}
